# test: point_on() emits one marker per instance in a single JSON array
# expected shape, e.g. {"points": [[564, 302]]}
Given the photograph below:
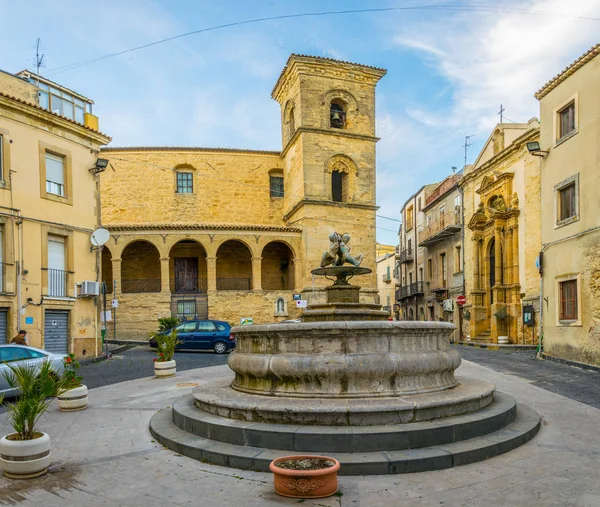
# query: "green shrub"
{"points": [[167, 323], [165, 345]]}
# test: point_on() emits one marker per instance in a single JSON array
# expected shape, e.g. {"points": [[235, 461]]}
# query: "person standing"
{"points": [[20, 338]]}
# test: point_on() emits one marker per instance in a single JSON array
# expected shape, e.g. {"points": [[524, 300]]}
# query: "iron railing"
{"points": [[386, 277], [57, 282], [234, 283], [407, 255], [413, 289], [195, 286], [139, 285], [450, 222]]}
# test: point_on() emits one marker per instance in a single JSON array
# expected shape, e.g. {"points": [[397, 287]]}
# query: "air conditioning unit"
{"points": [[448, 305], [89, 289]]}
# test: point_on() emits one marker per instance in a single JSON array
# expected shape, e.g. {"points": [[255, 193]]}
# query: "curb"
{"points": [[568, 362], [127, 342], [104, 357], [498, 346]]}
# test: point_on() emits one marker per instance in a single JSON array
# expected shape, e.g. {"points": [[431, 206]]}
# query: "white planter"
{"points": [[503, 340], [73, 399], [25, 459], [164, 369]]}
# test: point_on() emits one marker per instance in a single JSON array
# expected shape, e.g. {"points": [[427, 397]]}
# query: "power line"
{"points": [[318, 14], [389, 218]]}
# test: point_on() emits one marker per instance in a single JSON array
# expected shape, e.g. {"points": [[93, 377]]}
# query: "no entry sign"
{"points": [[461, 300]]}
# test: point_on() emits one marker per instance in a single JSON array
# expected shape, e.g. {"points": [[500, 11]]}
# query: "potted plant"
{"points": [[74, 395], [25, 453], [305, 476], [164, 364], [502, 316]]}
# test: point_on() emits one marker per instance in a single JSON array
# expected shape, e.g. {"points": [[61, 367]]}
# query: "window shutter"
{"points": [[56, 253], [55, 168]]}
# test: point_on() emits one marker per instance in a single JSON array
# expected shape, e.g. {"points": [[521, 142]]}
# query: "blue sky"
{"points": [[448, 71]]}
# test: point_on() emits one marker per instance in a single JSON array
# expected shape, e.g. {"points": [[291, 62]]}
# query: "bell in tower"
{"points": [[337, 116]]}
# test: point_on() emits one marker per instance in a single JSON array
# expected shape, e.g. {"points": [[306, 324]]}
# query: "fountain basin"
{"points": [[352, 359]]}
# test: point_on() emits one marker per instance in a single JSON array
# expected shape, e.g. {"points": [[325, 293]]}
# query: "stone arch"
{"points": [[277, 266], [421, 313], [234, 265], [107, 269], [280, 307], [411, 314], [289, 119], [343, 98], [140, 267], [188, 267], [341, 172]]}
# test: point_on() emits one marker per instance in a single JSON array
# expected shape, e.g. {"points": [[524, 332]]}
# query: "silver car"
{"points": [[22, 354]]}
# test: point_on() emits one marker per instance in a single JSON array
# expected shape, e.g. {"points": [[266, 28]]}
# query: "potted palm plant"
{"points": [[164, 364], [305, 476], [502, 317], [74, 395], [25, 453]]}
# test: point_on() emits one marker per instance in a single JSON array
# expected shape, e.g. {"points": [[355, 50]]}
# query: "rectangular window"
{"points": [[55, 174], [566, 120], [457, 204], [410, 246], [276, 186], [388, 272], [429, 269], [57, 275], [568, 300], [185, 183], [428, 219], [457, 266], [444, 270], [409, 218], [419, 204], [442, 210], [566, 200]]}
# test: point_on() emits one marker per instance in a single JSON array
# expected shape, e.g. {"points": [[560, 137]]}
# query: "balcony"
{"points": [[406, 291], [438, 284], [407, 255], [387, 278], [57, 283], [443, 228]]}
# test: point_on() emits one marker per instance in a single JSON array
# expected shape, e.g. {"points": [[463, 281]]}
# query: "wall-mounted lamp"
{"points": [[534, 149], [101, 165]]}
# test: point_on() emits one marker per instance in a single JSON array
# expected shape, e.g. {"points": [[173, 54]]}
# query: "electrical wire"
{"points": [[457, 8]]}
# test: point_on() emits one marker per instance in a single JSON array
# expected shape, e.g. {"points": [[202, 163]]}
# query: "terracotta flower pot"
{"points": [[73, 399], [305, 483], [25, 459], [164, 369]]}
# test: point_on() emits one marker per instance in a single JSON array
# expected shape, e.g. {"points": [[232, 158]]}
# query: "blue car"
{"points": [[203, 334]]}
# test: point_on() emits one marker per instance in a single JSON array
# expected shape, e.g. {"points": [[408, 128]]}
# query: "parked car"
{"points": [[203, 334], [18, 354]]}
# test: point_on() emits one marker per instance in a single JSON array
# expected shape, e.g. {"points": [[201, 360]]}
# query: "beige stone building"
{"points": [[570, 166], [231, 234], [386, 278], [501, 192], [442, 240], [49, 207]]}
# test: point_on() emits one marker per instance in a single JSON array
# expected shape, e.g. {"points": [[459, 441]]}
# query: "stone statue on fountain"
{"points": [[339, 251]]}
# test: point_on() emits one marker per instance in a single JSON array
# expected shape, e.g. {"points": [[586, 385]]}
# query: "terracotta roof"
{"points": [[195, 227], [325, 59], [577, 64], [186, 148], [36, 106]]}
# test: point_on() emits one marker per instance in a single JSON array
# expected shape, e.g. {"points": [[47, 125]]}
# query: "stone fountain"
{"points": [[380, 396]]}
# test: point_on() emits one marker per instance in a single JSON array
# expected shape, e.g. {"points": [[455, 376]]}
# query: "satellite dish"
{"points": [[99, 237]]}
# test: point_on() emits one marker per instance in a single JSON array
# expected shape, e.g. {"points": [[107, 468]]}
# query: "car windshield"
{"points": [[9, 354]]}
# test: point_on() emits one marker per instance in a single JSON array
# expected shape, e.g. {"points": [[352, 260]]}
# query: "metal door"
{"points": [[4, 338], [186, 274], [56, 331]]}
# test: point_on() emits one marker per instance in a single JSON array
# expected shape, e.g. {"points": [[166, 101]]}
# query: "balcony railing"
{"points": [[140, 285], [407, 255], [442, 188], [57, 282], [196, 286], [413, 289], [444, 227], [438, 284], [234, 283], [386, 277]]}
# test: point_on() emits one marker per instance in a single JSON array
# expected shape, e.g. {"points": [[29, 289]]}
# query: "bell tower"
{"points": [[328, 150]]}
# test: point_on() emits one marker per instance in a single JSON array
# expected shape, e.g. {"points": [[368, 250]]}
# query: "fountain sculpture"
{"points": [[380, 396]]}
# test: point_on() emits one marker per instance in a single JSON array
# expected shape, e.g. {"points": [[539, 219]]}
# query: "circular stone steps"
{"points": [[361, 450]]}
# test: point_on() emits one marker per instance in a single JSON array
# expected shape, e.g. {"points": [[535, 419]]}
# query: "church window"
{"points": [[276, 185], [337, 114], [185, 183], [291, 124], [339, 186]]}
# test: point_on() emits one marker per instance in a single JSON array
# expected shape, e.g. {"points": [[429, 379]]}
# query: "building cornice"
{"points": [[199, 227], [186, 149], [333, 132], [568, 71], [316, 202], [516, 145], [38, 112]]}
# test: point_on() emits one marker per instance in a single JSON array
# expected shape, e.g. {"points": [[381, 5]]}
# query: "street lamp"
{"points": [[533, 147], [101, 165]]}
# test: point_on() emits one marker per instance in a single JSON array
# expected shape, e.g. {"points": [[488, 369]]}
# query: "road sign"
{"points": [[115, 303], [301, 303], [461, 300], [246, 321]]}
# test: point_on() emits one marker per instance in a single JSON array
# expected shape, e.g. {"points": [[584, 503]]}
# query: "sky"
{"points": [[450, 67]]}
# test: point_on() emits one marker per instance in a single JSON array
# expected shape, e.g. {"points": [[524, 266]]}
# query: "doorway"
{"points": [[186, 274]]}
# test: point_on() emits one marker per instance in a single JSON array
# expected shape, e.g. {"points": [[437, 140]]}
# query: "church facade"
{"points": [[231, 234]]}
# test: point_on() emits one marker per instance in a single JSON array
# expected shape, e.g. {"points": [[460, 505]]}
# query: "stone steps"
{"points": [[307, 438], [432, 457]]}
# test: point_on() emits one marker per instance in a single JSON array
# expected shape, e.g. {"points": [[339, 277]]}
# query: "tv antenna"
{"points": [[467, 144], [39, 59]]}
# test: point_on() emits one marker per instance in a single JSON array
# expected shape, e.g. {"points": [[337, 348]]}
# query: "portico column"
{"points": [[477, 271], [297, 274], [116, 270], [515, 248], [498, 255], [211, 273], [509, 257], [256, 273], [164, 275]]}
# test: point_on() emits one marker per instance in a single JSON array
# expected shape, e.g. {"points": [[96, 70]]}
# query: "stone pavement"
{"points": [[105, 456]]}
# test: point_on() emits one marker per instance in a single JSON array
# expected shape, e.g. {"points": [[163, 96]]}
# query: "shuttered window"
{"points": [[567, 120], [568, 300], [57, 275], [55, 174]]}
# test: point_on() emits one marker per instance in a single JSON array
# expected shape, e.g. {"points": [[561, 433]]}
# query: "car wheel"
{"points": [[220, 347]]}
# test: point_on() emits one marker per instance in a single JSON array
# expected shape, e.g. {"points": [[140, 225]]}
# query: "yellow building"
{"points": [[501, 193], [231, 234], [570, 165], [386, 277], [49, 145]]}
